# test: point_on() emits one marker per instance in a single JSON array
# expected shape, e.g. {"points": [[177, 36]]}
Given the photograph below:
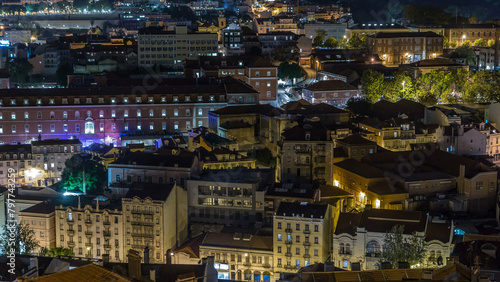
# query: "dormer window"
{"points": [[150, 99], [26, 101], [89, 101], [101, 100], [76, 101], [138, 100], [308, 136], [176, 99], [200, 98], [163, 99], [12, 101], [188, 98], [113, 100], [39, 101], [51, 101], [64, 101], [125, 100]]}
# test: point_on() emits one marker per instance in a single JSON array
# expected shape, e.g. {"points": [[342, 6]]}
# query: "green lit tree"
{"points": [[404, 85], [331, 42], [372, 83], [19, 70], [432, 86], [20, 238], [467, 51], [399, 247], [357, 42], [72, 176], [56, 252], [319, 37], [446, 42]]}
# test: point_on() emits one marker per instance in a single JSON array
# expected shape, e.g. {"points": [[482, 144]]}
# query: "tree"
{"points": [[467, 52], [359, 107], [290, 71], [285, 54], [72, 176], [62, 72], [357, 42], [453, 44], [480, 42], [399, 247], [404, 86], [473, 20], [331, 42], [372, 83], [446, 42], [432, 86], [56, 252], [491, 42], [265, 156], [19, 238], [19, 70], [319, 37], [484, 87], [80, 4]]}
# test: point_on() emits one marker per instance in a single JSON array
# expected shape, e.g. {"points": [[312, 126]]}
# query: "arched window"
{"points": [[347, 248], [188, 112], [125, 114], [163, 112], [13, 115], [77, 115], [89, 127], [176, 112], [373, 248], [432, 256], [341, 248], [139, 113], [151, 113], [77, 127], [52, 115], [65, 115], [101, 114], [113, 113], [26, 115]]}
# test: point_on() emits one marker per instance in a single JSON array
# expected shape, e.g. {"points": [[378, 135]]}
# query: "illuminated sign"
{"points": [[4, 42]]}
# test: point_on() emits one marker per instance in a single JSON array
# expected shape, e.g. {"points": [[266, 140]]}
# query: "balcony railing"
{"points": [[71, 244], [307, 243], [136, 212], [107, 246], [70, 232], [288, 254], [135, 222], [288, 230], [290, 267], [106, 233], [266, 265], [247, 264], [306, 256], [373, 254], [88, 233], [148, 212], [307, 231], [288, 242], [89, 245], [148, 223], [140, 247], [106, 222], [344, 252], [88, 221]]}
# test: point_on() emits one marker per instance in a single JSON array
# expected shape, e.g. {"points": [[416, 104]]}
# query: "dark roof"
{"points": [[45, 207], [171, 272], [437, 62], [150, 159], [332, 191], [157, 192], [356, 139], [90, 272], [237, 175], [330, 85], [266, 110], [304, 210], [226, 240], [404, 34], [48, 142], [379, 26], [292, 190], [305, 108], [15, 148], [468, 26], [191, 246], [380, 220], [360, 168], [213, 139], [385, 109], [438, 231], [315, 129]]}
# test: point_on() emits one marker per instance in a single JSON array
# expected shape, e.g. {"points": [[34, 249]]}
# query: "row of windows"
{"points": [[151, 113], [113, 100], [297, 227]]}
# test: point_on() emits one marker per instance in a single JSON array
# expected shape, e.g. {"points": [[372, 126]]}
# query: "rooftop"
{"points": [[404, 34], [238, 241], [304, 210], [157, 192], [330, 85]]}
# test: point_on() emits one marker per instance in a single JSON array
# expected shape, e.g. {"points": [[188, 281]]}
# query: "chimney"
{"points": [[39, 137], [152, 274], [134, 264]]}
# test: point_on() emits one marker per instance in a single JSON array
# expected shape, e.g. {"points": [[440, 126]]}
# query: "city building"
{"points": [[171, 48], [332, 92], [155, 219], [471, 32], [92, 228], [302, 235], [240, 257], [335, 30], [422, 67], [262, 75], [269, 25], [49, 157], [232, 40], [229, 197], [276, 39], [41, 219], [360, 237], [19, 158], [371, 29], [305, 154], [405, 47], [103, 114]]}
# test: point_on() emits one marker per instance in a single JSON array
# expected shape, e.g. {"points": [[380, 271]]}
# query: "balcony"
{"points": [[307, 244], [71, 244], [88, 233], [288, 242], [136, 212], [288, 230], [266, 265], [135, 222], [148, 212], [70, 232], [373, 255], [307, 231], [88, 222], [345, 252], [106, 233], [307, 256], [106, 222], [291, 267], [140, 247], [107, 247], [70, 221], [88, 245], [148, 223], [288, 254], [247, 264], [136, 234]]}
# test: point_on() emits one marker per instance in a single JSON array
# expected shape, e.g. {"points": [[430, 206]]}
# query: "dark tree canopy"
{"points": [[24, 240], [20, 70], [290, 71]]}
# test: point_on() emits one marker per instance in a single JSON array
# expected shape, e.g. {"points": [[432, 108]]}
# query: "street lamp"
{"points": [[403, 86], [463, 38]]}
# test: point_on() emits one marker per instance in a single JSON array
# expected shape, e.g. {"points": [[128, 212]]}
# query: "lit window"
{"points": [[26, 115], [125, 114], [200, 112], [113, 113], [65, 115], [151, 113], [13, 115], [101, 114], [89, 127], [139, 126], [13, 129], [176, 112], [39, 128], [139, 113], [163, 112]]}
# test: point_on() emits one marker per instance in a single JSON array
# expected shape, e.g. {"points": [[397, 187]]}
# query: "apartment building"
{"points": [[302, 235], [240, 257], [230, 197], [267, 25], [139, 167], [172, 48], [154, 218], [471, 32], [360, 237], [371, 29], [92, 228], [335, 30], [332, 92], [232, 40], [41, 219], [50, 155], [19, 158], [305, 153], [405, 47], [101, 115], [262, 75]]}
